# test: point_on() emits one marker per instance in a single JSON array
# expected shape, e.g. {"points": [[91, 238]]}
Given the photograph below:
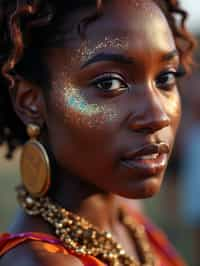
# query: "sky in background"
{"points": [[193, 6]]}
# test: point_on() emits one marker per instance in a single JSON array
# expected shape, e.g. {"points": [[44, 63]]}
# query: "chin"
{"points": [[143, 189], [150, 189]]}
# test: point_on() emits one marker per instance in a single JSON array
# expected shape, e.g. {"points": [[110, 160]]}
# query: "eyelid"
{"points": [[107, 75], [178, 72]]}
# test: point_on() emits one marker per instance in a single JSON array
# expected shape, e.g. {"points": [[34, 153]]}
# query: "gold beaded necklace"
{"points": [[83, 238]]}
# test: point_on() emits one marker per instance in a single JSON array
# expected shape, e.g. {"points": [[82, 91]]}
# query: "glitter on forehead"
{"points": [[87, 50]]}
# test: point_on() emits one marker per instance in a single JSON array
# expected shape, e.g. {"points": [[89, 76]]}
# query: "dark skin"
{"points": [[91, 126]]}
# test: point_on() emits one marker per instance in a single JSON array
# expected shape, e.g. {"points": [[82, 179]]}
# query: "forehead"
{"points": [[138, 26], [139, 21], [132, 19]]}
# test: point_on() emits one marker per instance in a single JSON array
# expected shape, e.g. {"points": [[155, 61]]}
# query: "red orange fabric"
{"points": [[164, 252], [50, 244]]}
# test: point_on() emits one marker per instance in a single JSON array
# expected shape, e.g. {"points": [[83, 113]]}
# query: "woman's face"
{"points": [[114, 108]]}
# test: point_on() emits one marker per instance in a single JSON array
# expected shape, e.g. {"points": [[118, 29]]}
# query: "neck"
{"points": [[102, 211], [98, 208]]}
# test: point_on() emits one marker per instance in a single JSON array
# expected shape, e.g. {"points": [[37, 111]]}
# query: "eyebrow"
{"points": [[122, 59], [170, 55], [108, 57]]}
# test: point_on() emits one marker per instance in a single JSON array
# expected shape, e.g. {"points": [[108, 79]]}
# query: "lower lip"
{"points": [[147, 167]]}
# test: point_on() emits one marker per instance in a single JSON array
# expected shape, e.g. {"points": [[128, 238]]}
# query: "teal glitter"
{"points": [[79, 104], [90, 114]]}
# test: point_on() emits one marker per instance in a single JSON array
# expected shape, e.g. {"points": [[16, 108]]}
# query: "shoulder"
{"points": [[33, 254]]}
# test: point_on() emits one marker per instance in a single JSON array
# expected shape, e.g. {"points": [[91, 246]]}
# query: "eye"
{"points": [[168, 79], [110, 84]]}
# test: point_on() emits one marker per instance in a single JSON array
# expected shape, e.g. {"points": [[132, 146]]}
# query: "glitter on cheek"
{"points": [[84, 114]]}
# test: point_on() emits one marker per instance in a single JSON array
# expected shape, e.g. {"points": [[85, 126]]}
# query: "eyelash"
{"points": [[168, 85], [98, 82]]}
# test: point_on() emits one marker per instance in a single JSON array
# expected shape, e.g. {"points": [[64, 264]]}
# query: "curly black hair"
{"points": [[28, 25]]}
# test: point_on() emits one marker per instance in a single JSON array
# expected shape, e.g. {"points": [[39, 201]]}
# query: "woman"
{"points": [[95, 85]]}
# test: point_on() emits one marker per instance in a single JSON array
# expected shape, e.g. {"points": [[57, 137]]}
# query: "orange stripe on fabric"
{"points": [[52, 248], [9, 244]]}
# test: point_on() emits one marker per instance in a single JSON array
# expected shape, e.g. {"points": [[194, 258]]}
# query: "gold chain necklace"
{"points": [[83, 238]]}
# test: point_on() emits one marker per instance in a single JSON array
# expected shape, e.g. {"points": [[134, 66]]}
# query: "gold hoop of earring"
{"points": [[35, 166]]}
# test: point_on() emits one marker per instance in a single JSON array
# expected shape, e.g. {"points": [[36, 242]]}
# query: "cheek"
{"points": [[81, 113], [82, 116], [79, 127], [174, 109]]}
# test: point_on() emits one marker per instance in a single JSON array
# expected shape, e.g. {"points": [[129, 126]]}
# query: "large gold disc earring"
{"points": [[35, 166]]}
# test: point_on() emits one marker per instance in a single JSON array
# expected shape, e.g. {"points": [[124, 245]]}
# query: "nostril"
{"points": [[144, 130]]}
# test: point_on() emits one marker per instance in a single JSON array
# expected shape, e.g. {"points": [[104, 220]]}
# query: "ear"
{"points": [[28, 102]]}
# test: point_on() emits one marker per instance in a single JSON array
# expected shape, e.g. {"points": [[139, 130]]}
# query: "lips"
{"points": [[149, 160]]}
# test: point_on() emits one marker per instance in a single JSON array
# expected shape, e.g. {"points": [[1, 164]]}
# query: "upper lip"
{"points": [[149, 149]]}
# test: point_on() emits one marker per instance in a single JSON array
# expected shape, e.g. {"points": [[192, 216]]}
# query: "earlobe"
{"points": [[28, 102]]}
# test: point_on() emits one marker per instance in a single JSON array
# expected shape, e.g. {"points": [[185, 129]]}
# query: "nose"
{"points": [[150, 115]]}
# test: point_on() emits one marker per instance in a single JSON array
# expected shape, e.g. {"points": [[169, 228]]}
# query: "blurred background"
{"points": [[177, 207]]}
